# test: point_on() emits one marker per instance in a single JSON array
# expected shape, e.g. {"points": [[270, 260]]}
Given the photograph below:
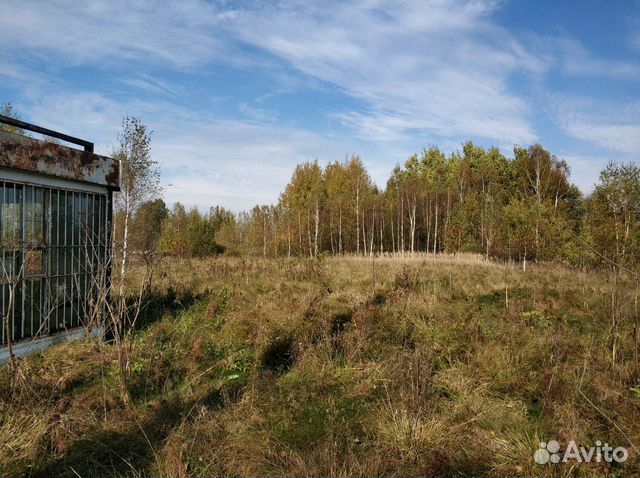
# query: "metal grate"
{"points": [[54, 246]]}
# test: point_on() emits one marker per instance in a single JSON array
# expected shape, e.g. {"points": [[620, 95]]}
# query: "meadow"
{"points": [[339, 366]]}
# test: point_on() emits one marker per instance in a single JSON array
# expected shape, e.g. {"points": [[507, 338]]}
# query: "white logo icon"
{"points": [[550, 452], [547, 452]]}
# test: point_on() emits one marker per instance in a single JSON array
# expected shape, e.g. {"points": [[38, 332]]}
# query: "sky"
{"points": [[237, 93]]}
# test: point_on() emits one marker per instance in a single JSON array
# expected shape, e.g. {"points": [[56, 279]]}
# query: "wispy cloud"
{"points": [[205, 160], [153, 85], [585, 169], [236, 163], [437, 67], [611, 125], [260, 115], [624, 138], [177, 34], [576, 60], [396, 76]]}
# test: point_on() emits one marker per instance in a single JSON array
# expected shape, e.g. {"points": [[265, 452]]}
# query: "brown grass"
{"points": [[398, 366]]}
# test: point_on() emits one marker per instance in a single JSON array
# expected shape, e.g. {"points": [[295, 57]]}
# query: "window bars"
{"points": [[54, 246]]}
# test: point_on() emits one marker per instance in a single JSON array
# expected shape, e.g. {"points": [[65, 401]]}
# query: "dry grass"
{"points": [[398, 366]]}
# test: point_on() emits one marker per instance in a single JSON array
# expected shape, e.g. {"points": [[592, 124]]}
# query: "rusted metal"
{"points": [[87, 145], [43, 157], [56, 207]]}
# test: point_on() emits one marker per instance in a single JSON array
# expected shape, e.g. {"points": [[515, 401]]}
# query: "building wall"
{"points": [[55, 215], [53, 257]]}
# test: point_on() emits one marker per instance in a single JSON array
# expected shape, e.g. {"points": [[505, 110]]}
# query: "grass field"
{"points": [[339, 367]]}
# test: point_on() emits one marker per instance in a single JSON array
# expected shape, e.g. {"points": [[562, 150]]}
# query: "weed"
{"points": [[299, 367]]}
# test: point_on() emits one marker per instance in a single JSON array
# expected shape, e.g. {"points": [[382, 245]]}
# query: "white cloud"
{"points": [[180, 34], [153, 85], [585, 169], [88, 115], [416, 73], [611, 125], [205, 161], [439, 67], [578, 61], [614, 137], [435, 70], [235, 163]]}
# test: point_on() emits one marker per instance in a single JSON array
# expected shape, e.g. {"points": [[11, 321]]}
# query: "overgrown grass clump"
{"points": [[338, 367]]}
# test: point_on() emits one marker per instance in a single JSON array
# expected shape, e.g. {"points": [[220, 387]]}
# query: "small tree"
{"points": [[147, 225], [139, 183]]}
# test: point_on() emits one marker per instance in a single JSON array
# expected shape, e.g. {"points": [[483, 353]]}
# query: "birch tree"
{"points": [[139, 183]]}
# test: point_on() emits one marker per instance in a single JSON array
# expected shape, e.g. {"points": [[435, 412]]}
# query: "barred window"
{"points": [[53, 243]]}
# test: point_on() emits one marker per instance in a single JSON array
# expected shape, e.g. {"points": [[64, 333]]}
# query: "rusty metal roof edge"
{"points": [[87, 145], [56, 160], [28, 139]]}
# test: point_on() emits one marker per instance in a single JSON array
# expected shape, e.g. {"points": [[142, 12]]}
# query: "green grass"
{"points": [[337, 367]]}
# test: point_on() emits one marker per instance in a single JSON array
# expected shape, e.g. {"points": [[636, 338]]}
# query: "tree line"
{"points": [[477, 200]]}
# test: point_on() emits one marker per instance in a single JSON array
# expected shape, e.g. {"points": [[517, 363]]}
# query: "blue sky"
{"points": [[237, 93]]}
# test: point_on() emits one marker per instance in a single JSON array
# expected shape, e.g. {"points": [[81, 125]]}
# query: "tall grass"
{"points": [[394, 366]]}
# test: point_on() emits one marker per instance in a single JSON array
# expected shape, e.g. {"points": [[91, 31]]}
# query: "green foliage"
{"points": [[147, 224], [476, 200], [614, 219], [139, 173], [192, 234], [537, 318], [266, 368]]}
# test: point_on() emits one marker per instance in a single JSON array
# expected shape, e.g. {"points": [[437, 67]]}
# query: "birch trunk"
{"points": [[358, 219], [340, 233], [317, 229], [435, 229]]}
